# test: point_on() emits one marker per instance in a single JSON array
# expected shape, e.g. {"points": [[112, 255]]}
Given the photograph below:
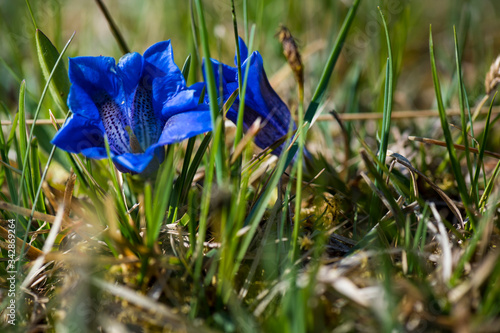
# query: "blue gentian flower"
{"points": [[261, 101], [140, 104]]}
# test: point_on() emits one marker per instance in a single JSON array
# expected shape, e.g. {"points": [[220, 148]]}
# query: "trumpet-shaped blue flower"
{"points": [[140, 104], [261, 101]]}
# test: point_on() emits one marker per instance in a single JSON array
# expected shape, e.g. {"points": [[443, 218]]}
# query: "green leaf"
{"points": [[47, 56]]}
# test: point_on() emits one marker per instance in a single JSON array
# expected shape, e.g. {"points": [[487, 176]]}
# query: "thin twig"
{"points": [[114, 28], [406, 114], [459, 147], [27, 212]]}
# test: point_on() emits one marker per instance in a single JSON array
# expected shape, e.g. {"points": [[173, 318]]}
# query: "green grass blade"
{"points": [[23, 137], [327, 73], [212, 94], [114, 28], [12, 133], [36, 177], [162, 191], [26, 155], [482, 147], [449, 140], [38, 193], [11, 182], [258, 210], [236, 167], [23, 144], [35, 117], [31, 14], [398, 214], [386, 119], [205, 206], [245, 18], [330, 65], [388, 97], [193, 167], [463, 119], [239, 127], [186, 67], [489, 186], [325, 78]]}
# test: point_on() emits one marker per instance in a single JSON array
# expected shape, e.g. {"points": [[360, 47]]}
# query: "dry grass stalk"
{"points": [[27, 212], [493, 76], [292, 54], [68, 194], [31, 252], [459, 147]]}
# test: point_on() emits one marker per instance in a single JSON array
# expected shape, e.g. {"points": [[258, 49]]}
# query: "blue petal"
{"points": [[262, 101], [144, 121], [90, 76], [135, 163], [182, 101], [185, 125], [97, 92], [96, 153], [162, 74], [243, 52], [160, 62], [130, 66], [229, 76], [161, 56], [79, 134]]}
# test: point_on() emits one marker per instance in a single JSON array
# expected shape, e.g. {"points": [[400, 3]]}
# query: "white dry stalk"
{"points": [[47, 247], [443, 239]]}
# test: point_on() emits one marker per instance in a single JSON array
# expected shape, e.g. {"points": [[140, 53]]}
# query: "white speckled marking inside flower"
{"points": [[147, 128], [114, 124]]}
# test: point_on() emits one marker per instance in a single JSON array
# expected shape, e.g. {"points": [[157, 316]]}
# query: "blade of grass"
{"points": [[388, 96], [36, 177], [461, 88], [212, 95], [327, 73], [11, 182], [482, 147], [186, 67], [464, 194], [245, 18], [179, 184], [35, 117], [205, 206], [114, 28], [193, 167], [258, 210], [489, 187], [35, 200], [31, 14], [386, 119], [236, 167], [159, 203], [323, 83], [23, 143]]}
